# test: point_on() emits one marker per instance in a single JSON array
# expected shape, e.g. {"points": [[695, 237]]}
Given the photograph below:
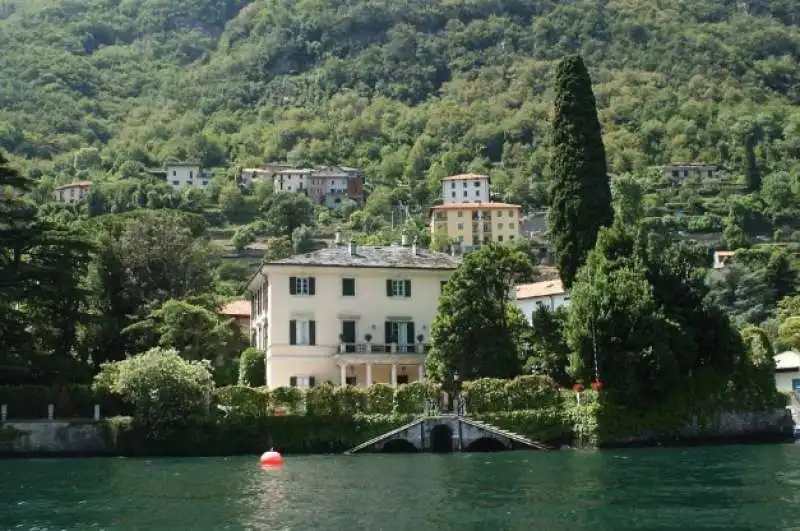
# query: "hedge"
{"points": [[291, 434], [70, 401], [487, 395]]}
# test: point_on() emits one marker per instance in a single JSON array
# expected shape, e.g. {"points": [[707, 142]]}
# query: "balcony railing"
{"points": [[382, 348]]}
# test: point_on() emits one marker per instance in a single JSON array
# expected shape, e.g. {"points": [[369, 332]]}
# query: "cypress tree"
{"points": [[580, 194]]}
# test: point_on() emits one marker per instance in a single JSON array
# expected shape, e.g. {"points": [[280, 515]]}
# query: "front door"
{"points": [[349, 335]]}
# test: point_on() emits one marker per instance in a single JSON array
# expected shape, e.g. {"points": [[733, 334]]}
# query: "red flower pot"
{"points": [[577, 388], [597, 385]]}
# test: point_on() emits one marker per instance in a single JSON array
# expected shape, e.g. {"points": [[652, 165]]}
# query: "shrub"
{"points": [[486, 395], [166, 390], [411, 398], [252, 370], [322, 400], [290, 398], [244, 401], [352, 400], [532, 391], [380, 399]]}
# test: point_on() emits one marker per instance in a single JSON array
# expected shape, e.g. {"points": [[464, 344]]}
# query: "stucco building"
{"points": [[347, 314], [73, 192]]}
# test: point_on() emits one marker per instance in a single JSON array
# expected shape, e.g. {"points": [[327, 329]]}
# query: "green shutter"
{"points": [[410, 333], [292, 332], [408, 288], [388, 287], [293, 381], [387, 331], [312, 332], [292, 285], [312, 285]]}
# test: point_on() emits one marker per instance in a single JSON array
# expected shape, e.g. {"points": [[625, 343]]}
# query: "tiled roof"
{"points": [[389, 256], [239, 308], [475, 206], [546, 288], [76, 184], [465, 177]]}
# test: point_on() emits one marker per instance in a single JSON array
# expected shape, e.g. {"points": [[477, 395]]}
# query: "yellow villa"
{"points": [[473, 224], [347, 314]]}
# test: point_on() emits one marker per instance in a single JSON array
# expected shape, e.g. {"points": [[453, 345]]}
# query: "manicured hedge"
{"points": [[291, 434], [487, 395], [70, 401]]}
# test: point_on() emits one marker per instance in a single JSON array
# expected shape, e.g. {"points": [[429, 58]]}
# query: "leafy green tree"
{"points": [[287, 211], [252, 370], [167, 391], [580, 195], [627, 195], [477, 332], [279, 248], [302, 239], [549, 352], [231, 202]]}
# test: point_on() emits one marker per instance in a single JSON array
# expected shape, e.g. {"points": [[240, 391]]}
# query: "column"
{"points": [[394, 375], [369, 374], [343, 374], [421, 372]]}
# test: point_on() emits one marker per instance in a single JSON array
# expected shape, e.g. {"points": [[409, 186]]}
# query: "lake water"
{"points": [[732, 487]]}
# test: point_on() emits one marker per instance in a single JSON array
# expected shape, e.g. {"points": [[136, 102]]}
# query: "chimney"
{"points": [[337, 237], [404, 240], [351, 248]]}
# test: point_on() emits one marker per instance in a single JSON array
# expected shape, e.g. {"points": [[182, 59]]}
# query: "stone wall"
{"points": [[53, 438]]}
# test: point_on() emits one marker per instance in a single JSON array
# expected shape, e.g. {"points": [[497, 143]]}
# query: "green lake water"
{"points": [[731, 488]]}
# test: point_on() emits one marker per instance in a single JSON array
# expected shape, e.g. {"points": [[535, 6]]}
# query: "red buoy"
{"points": [[271, 459]]}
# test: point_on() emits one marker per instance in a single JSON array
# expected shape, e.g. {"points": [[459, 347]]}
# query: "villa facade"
{"points": [[347, 315]]}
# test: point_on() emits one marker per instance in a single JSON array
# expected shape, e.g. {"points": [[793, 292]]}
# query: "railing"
{"points": [[382, 348]]}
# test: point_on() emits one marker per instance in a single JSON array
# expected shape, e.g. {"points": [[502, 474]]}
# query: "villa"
{"points": [[347, 315]]}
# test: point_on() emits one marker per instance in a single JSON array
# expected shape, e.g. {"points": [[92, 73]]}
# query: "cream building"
{"points": [[185, 174], [473, 224], [73, 192], [347, 315]]}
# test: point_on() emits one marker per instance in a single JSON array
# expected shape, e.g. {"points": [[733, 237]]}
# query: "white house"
{"points": [[185, 174], [466, 188], [721, 258], [73, 192], [787, 371], [548, 293], [346, 314]]}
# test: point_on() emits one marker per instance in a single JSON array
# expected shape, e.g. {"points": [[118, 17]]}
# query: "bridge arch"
{"points": [[486, 444], [399, 446], [441, 439]]}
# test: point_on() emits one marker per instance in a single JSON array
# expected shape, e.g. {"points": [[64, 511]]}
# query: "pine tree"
{"points": [[580, 194]]}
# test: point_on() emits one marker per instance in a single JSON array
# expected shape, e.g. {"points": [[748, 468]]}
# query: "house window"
{"points": [[302, 382], [460, 226], [500, 238], [453, 195], [402, 379], [302, 285], [349, 287], [398, 288], [205, 183], [499, 213], [176, 183], [350, 380], [191, 174], [477, 193], [303, 332], [465, 193], [452, 184], [174, 173], [477, 184]]}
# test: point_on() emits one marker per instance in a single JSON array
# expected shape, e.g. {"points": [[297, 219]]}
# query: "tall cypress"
{"points": [[580, 193]]}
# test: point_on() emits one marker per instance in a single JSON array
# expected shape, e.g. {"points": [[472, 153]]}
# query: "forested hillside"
{"points": [[410, 90]]}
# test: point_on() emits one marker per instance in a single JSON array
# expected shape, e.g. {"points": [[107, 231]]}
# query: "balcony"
{"points": [[381, 348]]}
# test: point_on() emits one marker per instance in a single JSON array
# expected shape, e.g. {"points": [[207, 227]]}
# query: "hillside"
{"points": [[410, 90]]}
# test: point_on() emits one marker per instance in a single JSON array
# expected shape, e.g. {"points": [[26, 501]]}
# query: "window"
{"points": [[453, 195], [511, 237], [349, 287], [499, 213], [452, 184], [398, 288], [399, 332], [205, 183], [465, 193], [477, 193], [176, 183], [350, 380], [477, 184], [191, 174], [174, 173], [499, 226], [460, 226], [302, 332], [500, 238], [302, 285], [402, 379], [461, 213], [302, 382]]}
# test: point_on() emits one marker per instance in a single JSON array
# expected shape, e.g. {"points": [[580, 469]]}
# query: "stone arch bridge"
{"points": [[447, 433]]}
